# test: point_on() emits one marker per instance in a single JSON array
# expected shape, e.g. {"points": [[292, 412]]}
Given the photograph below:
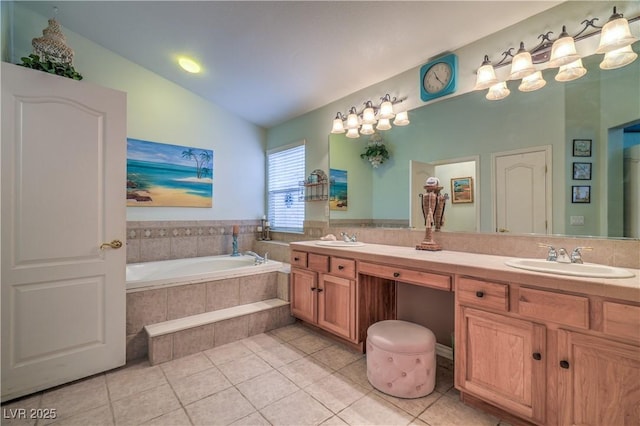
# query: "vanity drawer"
{"points": [[318, 262], [343, 267], [490, 295], [299, 258], [621, 320], [560, 308], [425, 279]]}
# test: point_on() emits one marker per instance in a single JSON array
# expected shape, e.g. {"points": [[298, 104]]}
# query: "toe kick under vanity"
{"points": [[529, 347]]}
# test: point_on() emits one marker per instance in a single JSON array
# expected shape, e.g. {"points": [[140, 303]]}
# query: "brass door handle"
{"points": [[503, 230], [115, 244]]}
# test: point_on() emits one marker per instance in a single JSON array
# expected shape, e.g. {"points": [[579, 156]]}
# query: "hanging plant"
{"points": [[64, 70], [375, 152]]}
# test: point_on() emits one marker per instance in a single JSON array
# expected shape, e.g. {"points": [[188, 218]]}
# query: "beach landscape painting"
{"points": [[338, 190], [164, 175]]}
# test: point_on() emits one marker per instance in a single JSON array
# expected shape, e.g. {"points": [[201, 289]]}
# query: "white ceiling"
{"points": [[270, 61]]}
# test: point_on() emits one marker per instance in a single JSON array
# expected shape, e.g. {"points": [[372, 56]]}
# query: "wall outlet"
{"points": [[576, 220]]}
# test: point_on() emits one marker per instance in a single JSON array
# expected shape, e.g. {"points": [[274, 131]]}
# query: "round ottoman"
{"points": [[401, 358]]}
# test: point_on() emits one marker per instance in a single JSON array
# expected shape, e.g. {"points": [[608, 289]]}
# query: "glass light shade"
{"points": [[338, 126], [367, 129], [353, 133], [571, 71], [522, 65], [402, 119], [386, 111], [383, 124], [486, 76], [615, 34], [618, 58], [563, 51], [498, 91], [368, 116], [189, 65], [352, 121], [532, 82]]}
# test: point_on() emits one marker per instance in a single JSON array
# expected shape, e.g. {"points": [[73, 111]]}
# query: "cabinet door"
{"points": [[502, 360], [303, 294], [598, 381], [336, 305]]}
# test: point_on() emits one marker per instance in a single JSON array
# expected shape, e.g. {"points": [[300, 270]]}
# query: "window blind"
{"points": [[285, 172]]}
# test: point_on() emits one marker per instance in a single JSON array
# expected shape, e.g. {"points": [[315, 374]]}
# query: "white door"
{"points": [[419, 173], [63, 195], [523, 191]]}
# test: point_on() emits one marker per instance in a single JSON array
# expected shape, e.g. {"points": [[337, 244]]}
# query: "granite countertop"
{"points": [[485, 266]]}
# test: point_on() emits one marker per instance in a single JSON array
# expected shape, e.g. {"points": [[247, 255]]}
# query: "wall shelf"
{"points": [[315, 187]]}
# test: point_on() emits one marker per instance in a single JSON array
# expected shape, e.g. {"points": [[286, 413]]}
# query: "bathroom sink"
{"points": [[340, 243], [575, 269]]}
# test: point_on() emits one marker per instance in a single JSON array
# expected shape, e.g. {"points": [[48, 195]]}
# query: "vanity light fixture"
{"points": [[362, 122], [615, 43], [189, 65]]}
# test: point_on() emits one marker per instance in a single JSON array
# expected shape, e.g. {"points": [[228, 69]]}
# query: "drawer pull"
{"points": [[314, 289], [396, 274], [537, 356], [340, 267], [564, 364], [319, 290], [296, 258], [480, 294]]}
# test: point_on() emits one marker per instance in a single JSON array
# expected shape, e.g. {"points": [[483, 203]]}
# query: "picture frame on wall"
{"points": [[581, 194], [581, 171], [462, 190], [582, 147]]}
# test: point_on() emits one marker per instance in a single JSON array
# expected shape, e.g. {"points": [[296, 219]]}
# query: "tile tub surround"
{"points": [[161, 240], [145, 307]]}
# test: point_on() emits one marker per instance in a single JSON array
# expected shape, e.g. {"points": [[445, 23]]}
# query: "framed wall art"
{"points": [[581, 194], [462, 190], [338, 190], [582, 171], [582, 147]]}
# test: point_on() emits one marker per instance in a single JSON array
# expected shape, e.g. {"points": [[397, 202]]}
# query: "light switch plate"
{"points": [[576, 220]]}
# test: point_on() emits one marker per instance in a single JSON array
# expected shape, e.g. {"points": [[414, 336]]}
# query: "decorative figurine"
{"points": [[433, 211]]}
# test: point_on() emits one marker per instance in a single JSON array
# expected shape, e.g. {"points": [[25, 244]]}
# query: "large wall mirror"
{"points": [[475, 134]]}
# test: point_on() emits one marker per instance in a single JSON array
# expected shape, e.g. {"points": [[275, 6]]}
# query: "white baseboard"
{"points": [[444, 351]]}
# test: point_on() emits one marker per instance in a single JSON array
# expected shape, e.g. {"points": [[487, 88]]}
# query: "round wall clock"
{"points": [[439, 77]]}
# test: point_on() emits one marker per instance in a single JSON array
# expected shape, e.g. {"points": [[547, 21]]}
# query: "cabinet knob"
{"points": [[340, 267], [319, 290], [537, 356], [480, 294], [296, 258], [564, 364], [314, 289], [396, 274]]}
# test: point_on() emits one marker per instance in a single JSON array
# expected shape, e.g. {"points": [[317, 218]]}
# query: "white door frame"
{"points": [[547, 149]]}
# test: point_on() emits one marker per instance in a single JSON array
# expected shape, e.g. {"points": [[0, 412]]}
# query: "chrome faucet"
{"points": [[259, 260], [348, 239], [576, 254], [563, 257], [552, 254]]}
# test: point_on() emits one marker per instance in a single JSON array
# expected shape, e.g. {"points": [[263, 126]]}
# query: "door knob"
{"points": [[115, 244], [503, 230]]}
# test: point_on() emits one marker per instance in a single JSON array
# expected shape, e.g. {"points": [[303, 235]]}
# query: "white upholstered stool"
{"points": [[401, 358]]}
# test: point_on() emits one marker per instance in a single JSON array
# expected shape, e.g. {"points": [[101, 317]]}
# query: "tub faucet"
{"points": [[259, 260], [348, 239]]}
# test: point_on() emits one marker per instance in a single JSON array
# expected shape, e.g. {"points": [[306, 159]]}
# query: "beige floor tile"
{"points": [[12, 411], [174, 418], [267, 388], [310, 343], [100, 416], [289, 332], [183, 367], [200, 385], [261, 341], [254, 419], [133, 379], [413, 406], [277, 356], [228, 352], [337, 356], [305, 371], [297, 409], [417, 422], [444, 380], [336, 392], [334, 421], [145, 406], [357, 372], [373, 410], [77, 397], [222, 408], [244, 368], [449, 412]]}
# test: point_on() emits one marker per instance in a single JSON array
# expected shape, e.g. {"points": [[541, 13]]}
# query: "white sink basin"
{"points": [[340, 243], [575, 269]]}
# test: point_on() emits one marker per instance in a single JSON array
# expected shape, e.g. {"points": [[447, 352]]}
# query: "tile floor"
{"points": [[289, 376]]}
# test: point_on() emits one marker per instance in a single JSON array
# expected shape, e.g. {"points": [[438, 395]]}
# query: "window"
{"points": [[285, 171]]}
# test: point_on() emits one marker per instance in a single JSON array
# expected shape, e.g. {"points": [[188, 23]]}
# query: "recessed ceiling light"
{"points": [[189, 65]]}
